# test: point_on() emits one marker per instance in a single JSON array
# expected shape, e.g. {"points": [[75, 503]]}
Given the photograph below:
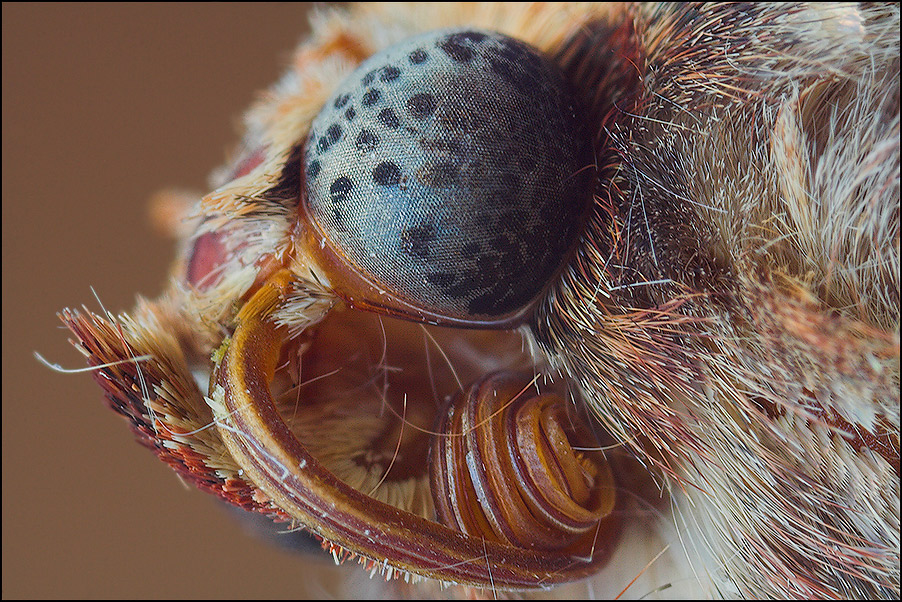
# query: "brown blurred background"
{"points": [[103, 105]]}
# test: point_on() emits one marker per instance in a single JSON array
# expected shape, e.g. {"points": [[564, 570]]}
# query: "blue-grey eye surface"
{"points": [[454, 170]]}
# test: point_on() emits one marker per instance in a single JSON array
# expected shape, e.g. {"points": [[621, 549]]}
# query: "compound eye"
{"points": [[447, 178]]}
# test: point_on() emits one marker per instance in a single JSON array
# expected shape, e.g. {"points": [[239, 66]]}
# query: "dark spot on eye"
{"points": [[454, 49], [332, 135], [368, 78], [417, 239], [371, 97], [471, 248], [440, 175], [421, 105], [504, 248], [350, 114], [456, 45], [342, 100], [452, 146], [366, 141], [440, 279], [340, 188], [313, 169], [510, 181], [501, 68], [389, 73], [471, 36], [418, 56], [389, 119], [387, 174], [510, 49], [456, 119], [464, 287]]}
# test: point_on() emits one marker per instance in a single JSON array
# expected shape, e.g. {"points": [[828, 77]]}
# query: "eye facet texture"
{"points": [[452, 170]]}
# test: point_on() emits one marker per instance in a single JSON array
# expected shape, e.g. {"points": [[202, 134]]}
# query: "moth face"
{"points": [[445, 182], [482, 289]]}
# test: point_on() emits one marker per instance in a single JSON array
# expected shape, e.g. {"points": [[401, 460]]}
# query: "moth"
{"points": [[509, 295]]}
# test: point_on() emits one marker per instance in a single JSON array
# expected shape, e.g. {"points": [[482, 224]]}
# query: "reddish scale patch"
{"points": [[882, 440], [209, 252], [248, 163], [207, 256]]}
